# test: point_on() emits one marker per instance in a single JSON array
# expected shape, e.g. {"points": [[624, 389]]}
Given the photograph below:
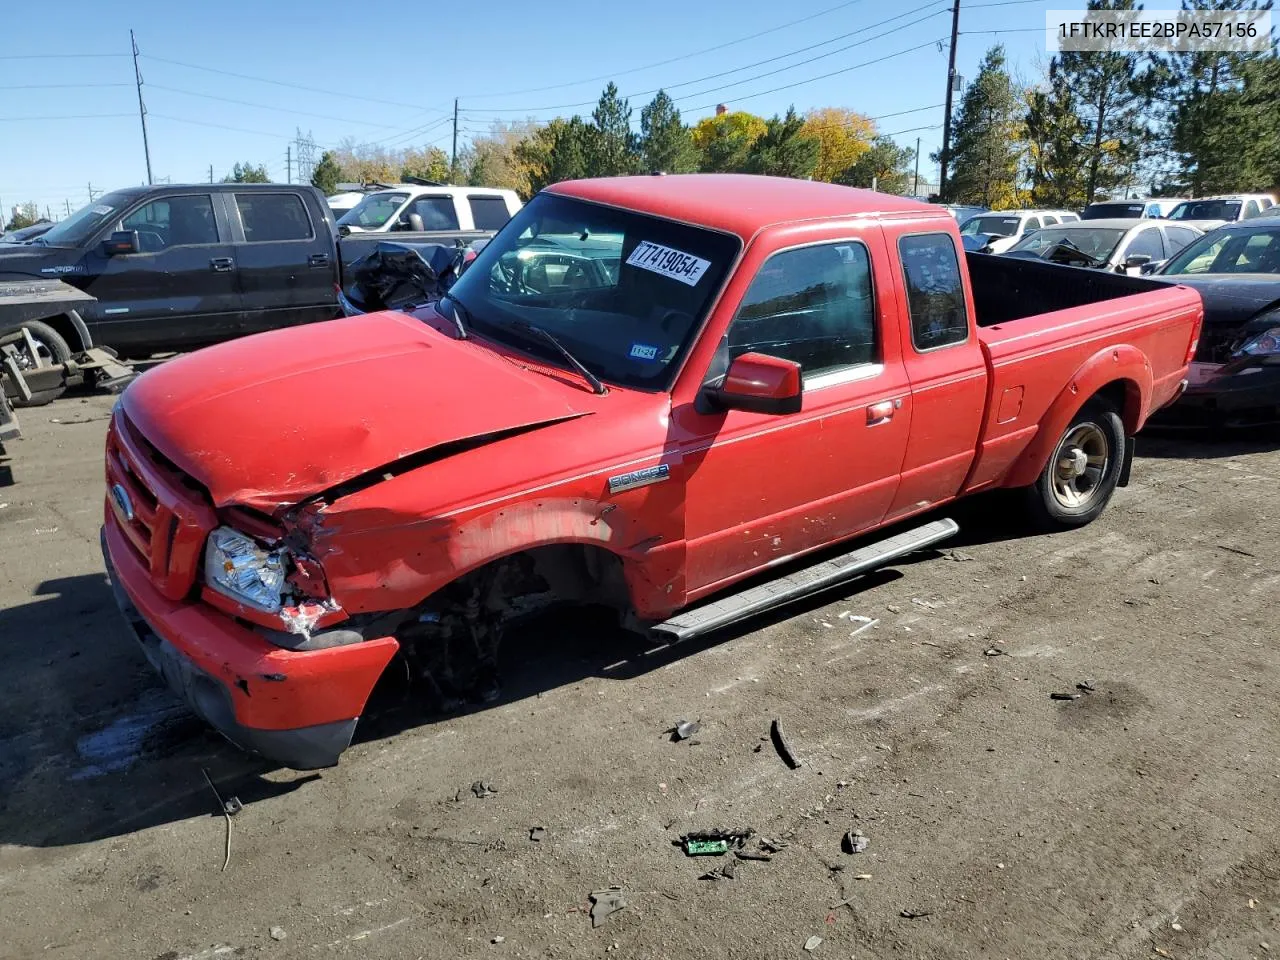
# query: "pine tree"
{"points": [[784, 150], [1115, 90], [665, 142], [558, 151], [327, 174], [886, 166], [611, 145], [724, 141], [984, 138], [1055, 136], [247, 173]]}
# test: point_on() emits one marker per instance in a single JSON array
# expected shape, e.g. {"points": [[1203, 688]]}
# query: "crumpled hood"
{"points": [[1231, 298], [268, 420]]}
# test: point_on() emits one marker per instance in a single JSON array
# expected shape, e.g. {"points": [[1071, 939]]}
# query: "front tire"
{"points": [[51, 349], [1081, 475]]}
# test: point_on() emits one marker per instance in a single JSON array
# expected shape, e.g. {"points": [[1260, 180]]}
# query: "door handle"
{"points": [[222, 264], [881, 412], [318, 260]]}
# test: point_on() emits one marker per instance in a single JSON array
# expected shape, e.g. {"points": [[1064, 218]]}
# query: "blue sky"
{"points": [[394, 81]]}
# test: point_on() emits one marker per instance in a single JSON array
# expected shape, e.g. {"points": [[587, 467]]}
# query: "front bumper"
{"points": [[298, 709], [1231, 400]]}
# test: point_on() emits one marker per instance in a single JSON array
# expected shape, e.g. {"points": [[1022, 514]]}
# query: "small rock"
{"points": [[498, 940], [278, 933], [813, 943], [854, 842], [1253, 904], [537, 834], [1176, 926], [685, 729], [483, 789]]}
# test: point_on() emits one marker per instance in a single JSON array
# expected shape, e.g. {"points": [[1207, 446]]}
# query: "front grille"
{"points": [[1217, 343], [171, 515]]}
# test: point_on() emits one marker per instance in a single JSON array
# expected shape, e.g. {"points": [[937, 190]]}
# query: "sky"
{"points": [[233, 82]]}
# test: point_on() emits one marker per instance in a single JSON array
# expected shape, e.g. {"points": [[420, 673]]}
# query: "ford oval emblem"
{"points": [[121, 496]]}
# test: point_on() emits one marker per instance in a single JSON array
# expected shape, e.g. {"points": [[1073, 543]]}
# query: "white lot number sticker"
{"points": [[656, 258]]}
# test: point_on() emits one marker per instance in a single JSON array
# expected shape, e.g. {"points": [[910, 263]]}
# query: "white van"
{"points": [[417, 209]]}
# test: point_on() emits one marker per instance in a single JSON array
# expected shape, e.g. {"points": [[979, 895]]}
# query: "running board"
{"points": [[765, 596]]}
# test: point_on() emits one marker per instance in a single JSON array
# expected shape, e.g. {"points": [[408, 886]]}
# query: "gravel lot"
{"points": [[1139, 820]]}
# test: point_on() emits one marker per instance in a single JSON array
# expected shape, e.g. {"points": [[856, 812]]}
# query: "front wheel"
{"points": [[50, 350], [1077, 483]]}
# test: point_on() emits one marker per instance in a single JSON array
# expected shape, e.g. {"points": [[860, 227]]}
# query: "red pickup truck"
{"points": [[642, 392]]}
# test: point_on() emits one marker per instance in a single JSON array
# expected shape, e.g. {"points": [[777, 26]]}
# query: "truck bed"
{"points": [[1038, 320]]}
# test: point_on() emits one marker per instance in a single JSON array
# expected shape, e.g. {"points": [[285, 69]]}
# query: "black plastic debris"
{"points": [[537, 834], [782, 746], [914, 914], [605, 903], [483, 789], [1064, 696], [684, 730], [854, 842], [1087, 686]]}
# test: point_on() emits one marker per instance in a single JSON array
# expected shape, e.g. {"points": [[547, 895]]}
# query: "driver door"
{"points": [[179, 289], [762, 488]]}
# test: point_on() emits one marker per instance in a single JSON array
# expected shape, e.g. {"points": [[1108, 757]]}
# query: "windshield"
{"points": [[624, 292], [1230, 251], [993, 226], [1098, 242], [1206, 210], [373, 211], [1108, 211], [86, 221]]}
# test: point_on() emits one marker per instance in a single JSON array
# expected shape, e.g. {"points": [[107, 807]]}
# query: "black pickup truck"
{"points": [[177, 267]]}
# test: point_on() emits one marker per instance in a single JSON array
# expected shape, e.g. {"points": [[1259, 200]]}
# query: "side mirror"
{"points": [[120, 242], [1136, 260], [760, 384]]}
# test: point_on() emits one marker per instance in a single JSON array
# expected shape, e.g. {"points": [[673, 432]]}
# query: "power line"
{"points": [[824, 76], [221, 126], [78, 116], [62, 86], [58, 56], [768, 73], [295, 86], [663, 63], [263, 106]]}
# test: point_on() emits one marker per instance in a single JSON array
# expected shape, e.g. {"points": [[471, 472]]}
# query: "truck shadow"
{"points": [[1165, 444], [92, 745]]}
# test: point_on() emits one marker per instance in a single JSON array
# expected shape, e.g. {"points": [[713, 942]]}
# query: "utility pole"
{"points": [[142, 110], [92, 192], [211, 173], [453, 163], [47, 214], [68, 204], [946, 119], [915, 191], [288, 164]]}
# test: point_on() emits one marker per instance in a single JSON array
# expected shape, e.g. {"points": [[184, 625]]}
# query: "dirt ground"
{"points": [[1139, 820]]}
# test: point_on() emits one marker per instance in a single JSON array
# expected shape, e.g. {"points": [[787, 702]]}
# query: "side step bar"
{"points": [[738, 606]]}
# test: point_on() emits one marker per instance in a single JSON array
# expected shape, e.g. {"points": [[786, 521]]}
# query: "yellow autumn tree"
{"points": [[843, 136], [724, 142]]}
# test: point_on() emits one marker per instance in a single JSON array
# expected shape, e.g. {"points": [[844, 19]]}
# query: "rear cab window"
{"points": [[488, 213], [273, 217], [435, 213], [935, 291]]}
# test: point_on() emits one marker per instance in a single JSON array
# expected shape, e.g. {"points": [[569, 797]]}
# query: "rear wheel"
{"points": [[1077, 483], [50, 350]]}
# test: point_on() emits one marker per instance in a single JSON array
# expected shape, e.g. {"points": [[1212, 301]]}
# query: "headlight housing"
{"points": [[1265, 344], [236, 565]]}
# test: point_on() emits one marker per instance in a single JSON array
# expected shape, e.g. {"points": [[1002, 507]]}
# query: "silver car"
{"points": [[1127, 245]]}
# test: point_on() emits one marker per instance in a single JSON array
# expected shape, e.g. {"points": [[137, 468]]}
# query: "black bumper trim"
{"points": [[302, 748]]}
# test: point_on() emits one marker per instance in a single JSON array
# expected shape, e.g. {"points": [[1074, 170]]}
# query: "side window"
{"points": [[271, 217], [1031, 224], [812, 305], [1251, 209], [436, 213], [1050, 221], [1177, 238], [1147, 242], [489, 213], [935, 293], [173, 222]]}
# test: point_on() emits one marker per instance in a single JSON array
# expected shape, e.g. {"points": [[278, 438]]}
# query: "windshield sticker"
{"points": [[102, 209], [642, 351], [668, 262]]}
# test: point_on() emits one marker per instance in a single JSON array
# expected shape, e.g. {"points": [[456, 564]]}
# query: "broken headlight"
{"points": [[1265, 344], [243, 570]]}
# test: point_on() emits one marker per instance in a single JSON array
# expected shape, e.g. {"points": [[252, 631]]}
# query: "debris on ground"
{"points": [[812, 944], [957, 556], [914, 914], [232, 806], [537, 834], [994, 652], [684, 729], [772, 846], [855, 842], [711, 843], [278, 933], [1087, 686], [867, 624], [605, 903], [483, 789], [227, 813], [726, 871], [753, 855], [498, 940], [1064, 696], [782, 746]]}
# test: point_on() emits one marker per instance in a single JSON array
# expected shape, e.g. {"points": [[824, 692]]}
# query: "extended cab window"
{"points": [[812, 305], [935, 294], [173, 222], [489, 213], [271, 217]]}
